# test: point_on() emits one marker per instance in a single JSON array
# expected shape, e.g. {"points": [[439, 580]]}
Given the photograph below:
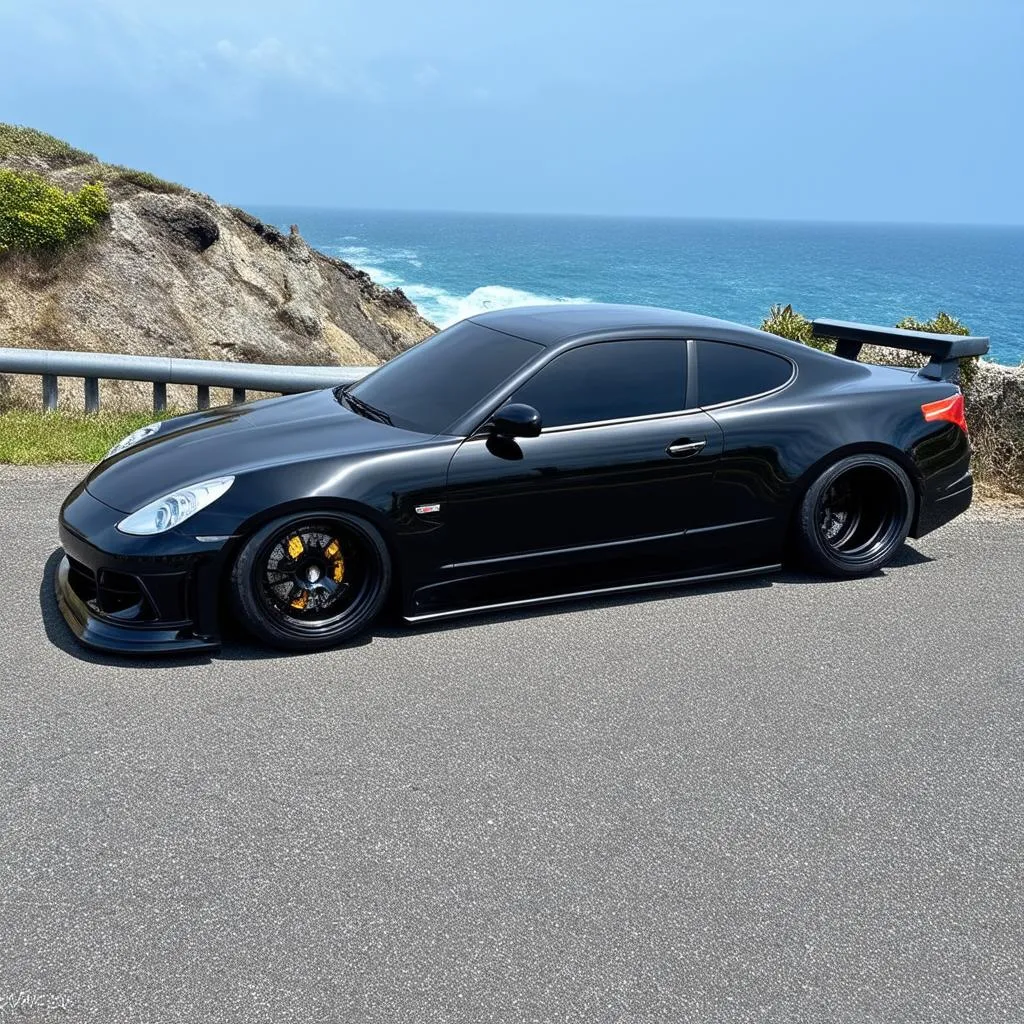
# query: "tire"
{"points": [[855, 516], [311, 581]]}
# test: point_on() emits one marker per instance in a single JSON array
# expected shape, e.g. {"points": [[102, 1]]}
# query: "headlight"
{"points": [[173, 509], [133, 438]]}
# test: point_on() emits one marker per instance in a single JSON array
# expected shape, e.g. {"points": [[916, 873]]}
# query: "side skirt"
{"points": [[575, 595]]}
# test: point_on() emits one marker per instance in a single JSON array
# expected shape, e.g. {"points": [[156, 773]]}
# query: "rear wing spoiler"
{"points": [[944, 350]]}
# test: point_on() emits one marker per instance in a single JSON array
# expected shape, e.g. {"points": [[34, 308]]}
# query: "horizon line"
{"points": [[631, 216]]}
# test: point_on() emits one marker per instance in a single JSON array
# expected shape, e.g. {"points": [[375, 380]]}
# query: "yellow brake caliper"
{"points": [[333, 554], [295, 548]]}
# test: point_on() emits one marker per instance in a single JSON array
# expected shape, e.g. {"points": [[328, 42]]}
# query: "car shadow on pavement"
{"points": [[237, 648], [904, 558]]}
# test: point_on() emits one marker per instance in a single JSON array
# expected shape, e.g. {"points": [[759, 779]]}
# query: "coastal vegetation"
{"points": [[43, 216], [20, 142], [786, 322], [37, 217], [116, 174]]}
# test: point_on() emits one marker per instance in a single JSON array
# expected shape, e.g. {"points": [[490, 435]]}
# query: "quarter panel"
{"points": [[774, 449]]}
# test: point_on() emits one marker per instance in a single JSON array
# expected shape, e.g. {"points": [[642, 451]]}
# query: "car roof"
{"points": [[551, 324]]}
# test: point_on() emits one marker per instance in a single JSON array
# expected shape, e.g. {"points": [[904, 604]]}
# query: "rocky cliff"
{"points": [[172, 272]]}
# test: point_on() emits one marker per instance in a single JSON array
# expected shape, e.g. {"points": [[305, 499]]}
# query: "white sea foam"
{"points": [[405, 255], [381, 277], [444, 308], [438, 304], [376, 255]]}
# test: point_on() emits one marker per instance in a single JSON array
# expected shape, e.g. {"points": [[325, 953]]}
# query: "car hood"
{"points": [[238, 439]]}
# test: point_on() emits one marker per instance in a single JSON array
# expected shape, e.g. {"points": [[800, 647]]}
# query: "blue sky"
{"points": [[902, 110]]}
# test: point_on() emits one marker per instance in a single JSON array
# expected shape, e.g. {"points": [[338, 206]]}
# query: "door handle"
{"points": [[683, 448]]}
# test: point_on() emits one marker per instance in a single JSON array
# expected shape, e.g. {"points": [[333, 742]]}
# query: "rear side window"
{"points": [[727, 373], [608, 381]]}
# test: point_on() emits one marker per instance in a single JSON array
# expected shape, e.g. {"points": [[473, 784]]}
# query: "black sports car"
{"points": [[520, 456]]}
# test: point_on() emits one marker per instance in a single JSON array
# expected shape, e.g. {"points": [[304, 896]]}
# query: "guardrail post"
{"points": [[49, 392], [92, 394], [159, 396], [203, 396], [237, 395]]}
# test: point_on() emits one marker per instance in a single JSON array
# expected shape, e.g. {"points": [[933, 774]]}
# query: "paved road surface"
{"points": [[788, 800]]}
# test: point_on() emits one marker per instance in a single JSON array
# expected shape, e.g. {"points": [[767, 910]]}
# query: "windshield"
{"points": [[432, 385]]}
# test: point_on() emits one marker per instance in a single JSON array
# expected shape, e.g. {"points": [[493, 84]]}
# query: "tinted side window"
{"points": [[726, 373], [608, 381]]}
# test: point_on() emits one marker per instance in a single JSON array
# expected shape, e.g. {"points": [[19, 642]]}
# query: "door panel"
{"points": [[569, 491]]}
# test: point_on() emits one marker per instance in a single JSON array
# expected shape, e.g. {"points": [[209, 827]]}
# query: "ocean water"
{"points": [[453, 265]]}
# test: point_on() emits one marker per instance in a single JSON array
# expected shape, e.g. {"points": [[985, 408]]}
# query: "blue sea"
{"points": [[453, 265]]}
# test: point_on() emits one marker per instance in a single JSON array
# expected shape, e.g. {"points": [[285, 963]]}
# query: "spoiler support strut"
{"points": [[944, 351]]}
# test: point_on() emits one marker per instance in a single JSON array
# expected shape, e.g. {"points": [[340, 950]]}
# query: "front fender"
{"points": [[384, 488]]}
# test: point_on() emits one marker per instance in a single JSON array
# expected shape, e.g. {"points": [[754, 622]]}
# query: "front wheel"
{"points": [[310, 581], [855, 516]]}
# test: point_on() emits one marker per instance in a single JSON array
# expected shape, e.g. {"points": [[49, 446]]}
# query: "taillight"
{"points": [[949, 409]]}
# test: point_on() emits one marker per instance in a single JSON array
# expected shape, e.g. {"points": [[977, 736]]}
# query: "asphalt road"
{"points": [[787, 800]]}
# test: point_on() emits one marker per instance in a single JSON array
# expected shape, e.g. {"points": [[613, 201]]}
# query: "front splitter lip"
{"points": [[114, 639]]}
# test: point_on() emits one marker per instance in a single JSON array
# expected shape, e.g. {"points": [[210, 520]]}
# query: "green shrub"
{"points": [[943, 323], [18, 141], [787, 323], [38, 217], [116, 174]]}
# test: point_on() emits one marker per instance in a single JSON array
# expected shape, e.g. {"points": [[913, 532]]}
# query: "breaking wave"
{"points": [[444, 308], [392, 268]]}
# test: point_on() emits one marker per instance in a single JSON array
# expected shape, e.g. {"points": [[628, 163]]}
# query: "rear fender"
{"points": [[901, 458]]}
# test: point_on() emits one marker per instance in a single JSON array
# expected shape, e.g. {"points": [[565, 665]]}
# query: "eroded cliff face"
{"points": [[177, 274]]}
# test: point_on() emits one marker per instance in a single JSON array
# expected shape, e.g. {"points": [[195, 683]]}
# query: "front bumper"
{"points": [[135, 594], [101, 633]]}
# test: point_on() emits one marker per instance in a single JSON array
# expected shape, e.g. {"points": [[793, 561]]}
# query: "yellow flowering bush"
{"points": [[36, 216]]}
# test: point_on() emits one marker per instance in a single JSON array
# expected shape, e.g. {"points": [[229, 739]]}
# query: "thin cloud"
{"points": [[426, 76], [272, 58]]}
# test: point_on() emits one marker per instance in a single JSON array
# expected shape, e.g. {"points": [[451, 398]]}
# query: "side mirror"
{"points": [[516, 420]]}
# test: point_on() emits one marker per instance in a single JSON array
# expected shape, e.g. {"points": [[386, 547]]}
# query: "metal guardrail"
{"points": [[93, 367]]}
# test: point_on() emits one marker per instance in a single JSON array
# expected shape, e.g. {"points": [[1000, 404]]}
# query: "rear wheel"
{"points": [[856, 516], [310, 581]]}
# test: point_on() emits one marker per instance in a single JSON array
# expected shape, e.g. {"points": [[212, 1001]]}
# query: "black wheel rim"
{"points": [[313, 576], [862, 515]]}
